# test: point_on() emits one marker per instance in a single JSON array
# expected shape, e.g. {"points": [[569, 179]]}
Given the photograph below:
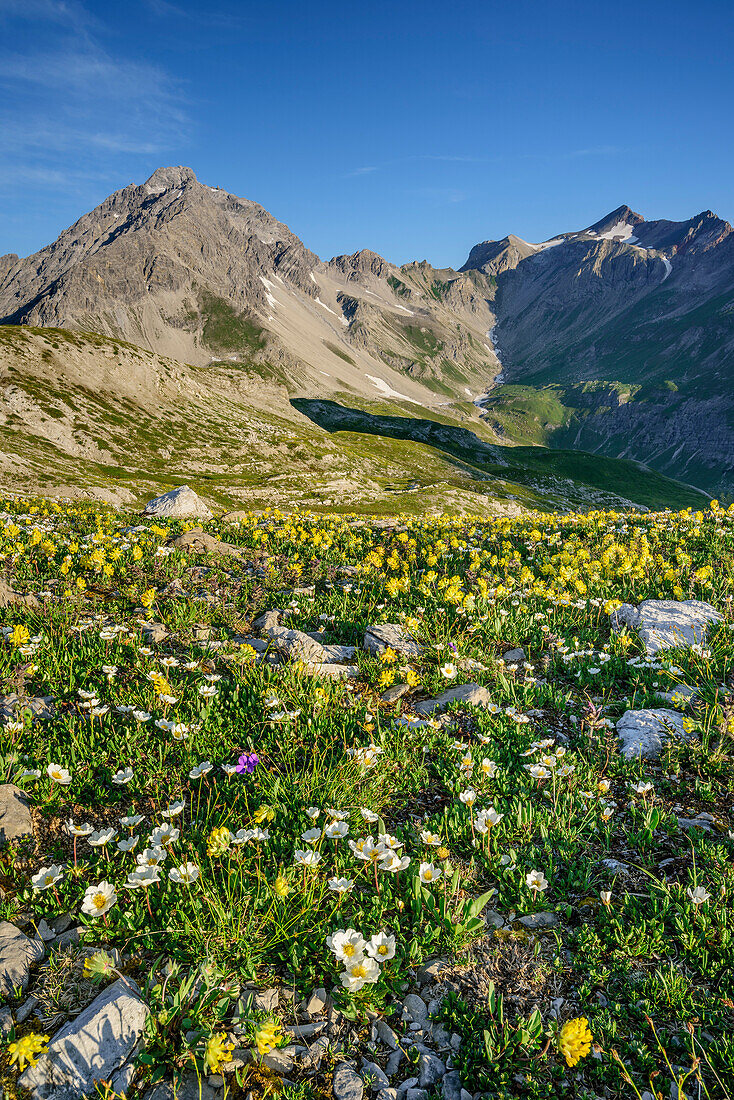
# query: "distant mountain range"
{"points": [[615, 339]]}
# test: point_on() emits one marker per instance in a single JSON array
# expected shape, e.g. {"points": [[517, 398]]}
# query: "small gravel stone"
{"points": [[318, 1002], [25, 1009], [280, 1060], [416, 1094], [267, 1000], [397, 691], [393, 1063], [430, 972], [431, 1070], [17, 952], [305, 1031], [415, 1009], [374, 1075], [386, 1034], [15, 814], [451, 1085], [6, 1020], [534, 921], [408, 1083], [387, 1094], [316, 1052]]}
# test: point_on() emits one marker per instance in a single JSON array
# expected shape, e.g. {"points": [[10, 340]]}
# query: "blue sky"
{"points": [[415, 129]]}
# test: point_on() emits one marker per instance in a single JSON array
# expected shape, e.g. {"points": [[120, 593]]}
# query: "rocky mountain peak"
{"points": [[623, 215], [163, 178]]}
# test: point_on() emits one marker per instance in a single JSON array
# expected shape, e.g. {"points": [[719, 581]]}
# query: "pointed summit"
{"points": [[621, 217], [163, 178]]}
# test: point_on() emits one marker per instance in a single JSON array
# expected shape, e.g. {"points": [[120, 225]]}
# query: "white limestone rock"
{"points": [[178, 503], [473, 695], [382, 636], [92, 1047], [666, 624], [644, 733]]}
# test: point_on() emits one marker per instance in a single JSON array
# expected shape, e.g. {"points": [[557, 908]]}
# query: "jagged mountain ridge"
{"points": [[638, 309], [631, 323], [195, 273]]}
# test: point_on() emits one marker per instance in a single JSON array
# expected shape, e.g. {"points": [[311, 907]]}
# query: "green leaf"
{"points": [[475, 907]]}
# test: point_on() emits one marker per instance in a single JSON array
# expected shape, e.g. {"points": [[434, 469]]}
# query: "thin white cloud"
{"points": [[70, 97]]}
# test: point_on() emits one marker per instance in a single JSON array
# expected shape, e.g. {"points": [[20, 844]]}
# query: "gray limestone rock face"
{"points": [[666, 624], [473, 694], [15, 814], [334, 671], [181, 502], [17, 953], [384, 636], [294, 645], [38, 706], [644, 733], [297, 646], [92, 1047]]}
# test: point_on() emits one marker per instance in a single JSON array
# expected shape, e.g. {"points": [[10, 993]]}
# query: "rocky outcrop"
{"points": [[97, 1045], [16, 822], [645, 733], [667, 624], [181, 502]]}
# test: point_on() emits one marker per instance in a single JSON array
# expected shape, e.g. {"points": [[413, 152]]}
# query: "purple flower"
{"points": [[247, 763]]}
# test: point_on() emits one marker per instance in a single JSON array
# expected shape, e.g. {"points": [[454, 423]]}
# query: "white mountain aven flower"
{"points": [[99, 899], [347, 944], [381, 947], [58, 774]]}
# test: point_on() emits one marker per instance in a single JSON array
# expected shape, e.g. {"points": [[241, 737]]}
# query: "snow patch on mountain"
{"points": [[387, 390]]}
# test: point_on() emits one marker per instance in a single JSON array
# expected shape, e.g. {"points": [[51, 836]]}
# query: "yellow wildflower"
{"points": [[267, 1036], [218, 1050], [27, 1049], [19, 635], [575, 1040]]}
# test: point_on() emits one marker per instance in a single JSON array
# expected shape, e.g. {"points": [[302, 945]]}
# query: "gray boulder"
{"points": [[197, 541], [294, 645], [666, 624], [178, 503], [95, 1046], [514, 656], [10, 598], [347, 1084], [384, 636], [473, 694], [15, 814], [644, 733], [17, 953]]}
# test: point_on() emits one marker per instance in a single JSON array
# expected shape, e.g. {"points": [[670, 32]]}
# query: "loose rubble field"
{"points": [[301, 804]]}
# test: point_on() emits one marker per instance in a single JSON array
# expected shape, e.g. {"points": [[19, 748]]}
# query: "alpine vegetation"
{"points": [[301, 803]]}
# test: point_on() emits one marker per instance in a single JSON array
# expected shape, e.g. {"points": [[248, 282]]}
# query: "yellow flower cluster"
{"points": [[575, 1040]]}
